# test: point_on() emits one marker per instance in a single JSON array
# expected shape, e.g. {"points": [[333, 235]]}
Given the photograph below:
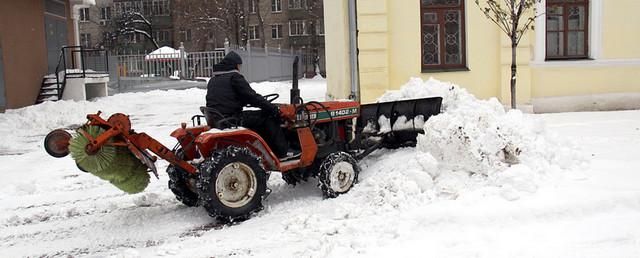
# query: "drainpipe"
{"points": [[75, 16], [353, 50]]}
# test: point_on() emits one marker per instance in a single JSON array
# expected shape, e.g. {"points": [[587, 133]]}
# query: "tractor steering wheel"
{"points": [[271, 97]]}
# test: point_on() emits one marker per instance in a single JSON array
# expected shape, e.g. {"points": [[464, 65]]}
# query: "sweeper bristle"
{"points": [[114, 164], [92, 163]]}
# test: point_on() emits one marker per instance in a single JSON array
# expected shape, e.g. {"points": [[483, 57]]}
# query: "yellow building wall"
{"points": [[373, 46], [336, 25], [617, 68], [621, 29], [390, 53], [390, 50]]}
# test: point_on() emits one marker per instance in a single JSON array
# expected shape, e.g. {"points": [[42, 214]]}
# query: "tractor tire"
{"points": [[178, 185], [232, 184], [338, 173]]}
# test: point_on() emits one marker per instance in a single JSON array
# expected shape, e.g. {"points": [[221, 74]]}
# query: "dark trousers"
{"points": [[269, 129]]}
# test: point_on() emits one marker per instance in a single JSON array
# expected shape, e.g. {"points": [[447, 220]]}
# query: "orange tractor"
{"points": [[226, 170]]}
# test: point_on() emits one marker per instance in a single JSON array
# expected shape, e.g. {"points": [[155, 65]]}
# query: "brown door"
{"points": [[3, 100], [55, 29], [56, 37]]}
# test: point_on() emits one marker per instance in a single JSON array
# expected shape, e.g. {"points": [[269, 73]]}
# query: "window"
{"points": [[122, 7], [567, 29], [320, 27], [147, 8], [253, 8], [254, 33], [85, 40], [84, 14], [211, 36], [130, 38], [276, 31], [105, 13], [297, 4], [160, 7], [297, 28], [161, 36], [276, 6], [443, 34], [185, 35]]}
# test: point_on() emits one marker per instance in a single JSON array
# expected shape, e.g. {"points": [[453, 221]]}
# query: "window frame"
{"points": [[443, 67], [85, 15], [85, 40], [320, 27], [279, 27], [105, 13], [255, 35], [565, 32], [276, 6], [253, 7], [293, 6], [304, 30], [185, 35]]}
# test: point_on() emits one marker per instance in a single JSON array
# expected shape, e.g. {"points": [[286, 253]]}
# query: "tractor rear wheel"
{"points": [[232, 184], [179, 185], [338, 173]]}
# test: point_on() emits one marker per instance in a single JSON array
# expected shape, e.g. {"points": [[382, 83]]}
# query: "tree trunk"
{"points": [[514, 68], [260, 24]]}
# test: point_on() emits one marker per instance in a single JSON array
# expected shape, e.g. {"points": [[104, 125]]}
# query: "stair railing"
{"points": [[61, 81]]}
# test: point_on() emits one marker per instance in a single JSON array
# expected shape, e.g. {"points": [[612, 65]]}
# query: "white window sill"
{"points": [[586, 63]]}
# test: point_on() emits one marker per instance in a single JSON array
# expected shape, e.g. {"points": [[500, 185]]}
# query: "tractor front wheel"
{"points": [[338, 173], [232, 184], [179, 183]]}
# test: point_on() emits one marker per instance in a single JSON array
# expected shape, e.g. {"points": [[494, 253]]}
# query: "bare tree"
{"points": [[260, 23], [224, 16], [129, 23], [314, 11], [514, 18]]}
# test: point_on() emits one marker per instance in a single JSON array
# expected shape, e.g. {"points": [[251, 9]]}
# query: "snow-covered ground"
{"points": [[573, 193]]}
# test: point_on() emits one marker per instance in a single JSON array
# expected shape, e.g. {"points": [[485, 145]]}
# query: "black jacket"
{"points": [[228, 91]]}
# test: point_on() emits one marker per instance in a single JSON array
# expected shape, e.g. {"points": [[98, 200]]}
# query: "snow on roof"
{"points": [[84, 2], [163, 53]]}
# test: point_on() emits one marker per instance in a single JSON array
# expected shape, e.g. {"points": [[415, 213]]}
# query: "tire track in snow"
{"points": [[49, 204]]}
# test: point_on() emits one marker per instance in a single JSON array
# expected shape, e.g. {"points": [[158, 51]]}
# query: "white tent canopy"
{"points": [[163, 53]]}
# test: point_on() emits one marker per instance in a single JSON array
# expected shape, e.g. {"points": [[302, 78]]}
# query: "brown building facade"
{"points": [[31, 35], [288, 24]]}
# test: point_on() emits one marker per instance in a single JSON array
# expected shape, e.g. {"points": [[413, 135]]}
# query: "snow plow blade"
{"points": [[395, 124]]}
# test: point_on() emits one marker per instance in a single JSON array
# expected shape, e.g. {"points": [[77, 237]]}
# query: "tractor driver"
{"points": [[228, 93]]}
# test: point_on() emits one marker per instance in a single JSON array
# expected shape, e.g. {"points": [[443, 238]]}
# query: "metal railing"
{"points": [[200, 64], [91, 62], [259, 64]]}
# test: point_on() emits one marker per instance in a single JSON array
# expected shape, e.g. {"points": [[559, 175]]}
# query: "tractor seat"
{"points": [[215, 119]]}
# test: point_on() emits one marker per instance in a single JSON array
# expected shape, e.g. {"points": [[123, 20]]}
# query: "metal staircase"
{"points": [[52, 86]]}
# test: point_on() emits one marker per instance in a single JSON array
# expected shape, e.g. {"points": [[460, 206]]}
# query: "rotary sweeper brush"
{"points": [[226, 170]]}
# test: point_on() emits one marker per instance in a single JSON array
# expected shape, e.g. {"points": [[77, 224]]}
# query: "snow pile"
{"points": [[476, 143]]}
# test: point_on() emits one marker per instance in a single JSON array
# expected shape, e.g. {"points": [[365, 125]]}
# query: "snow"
{"points": [[410, 202], [476, 142], [163, 53]]}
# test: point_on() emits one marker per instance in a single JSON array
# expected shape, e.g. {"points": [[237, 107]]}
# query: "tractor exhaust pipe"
{"points": [[295, 91]]}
